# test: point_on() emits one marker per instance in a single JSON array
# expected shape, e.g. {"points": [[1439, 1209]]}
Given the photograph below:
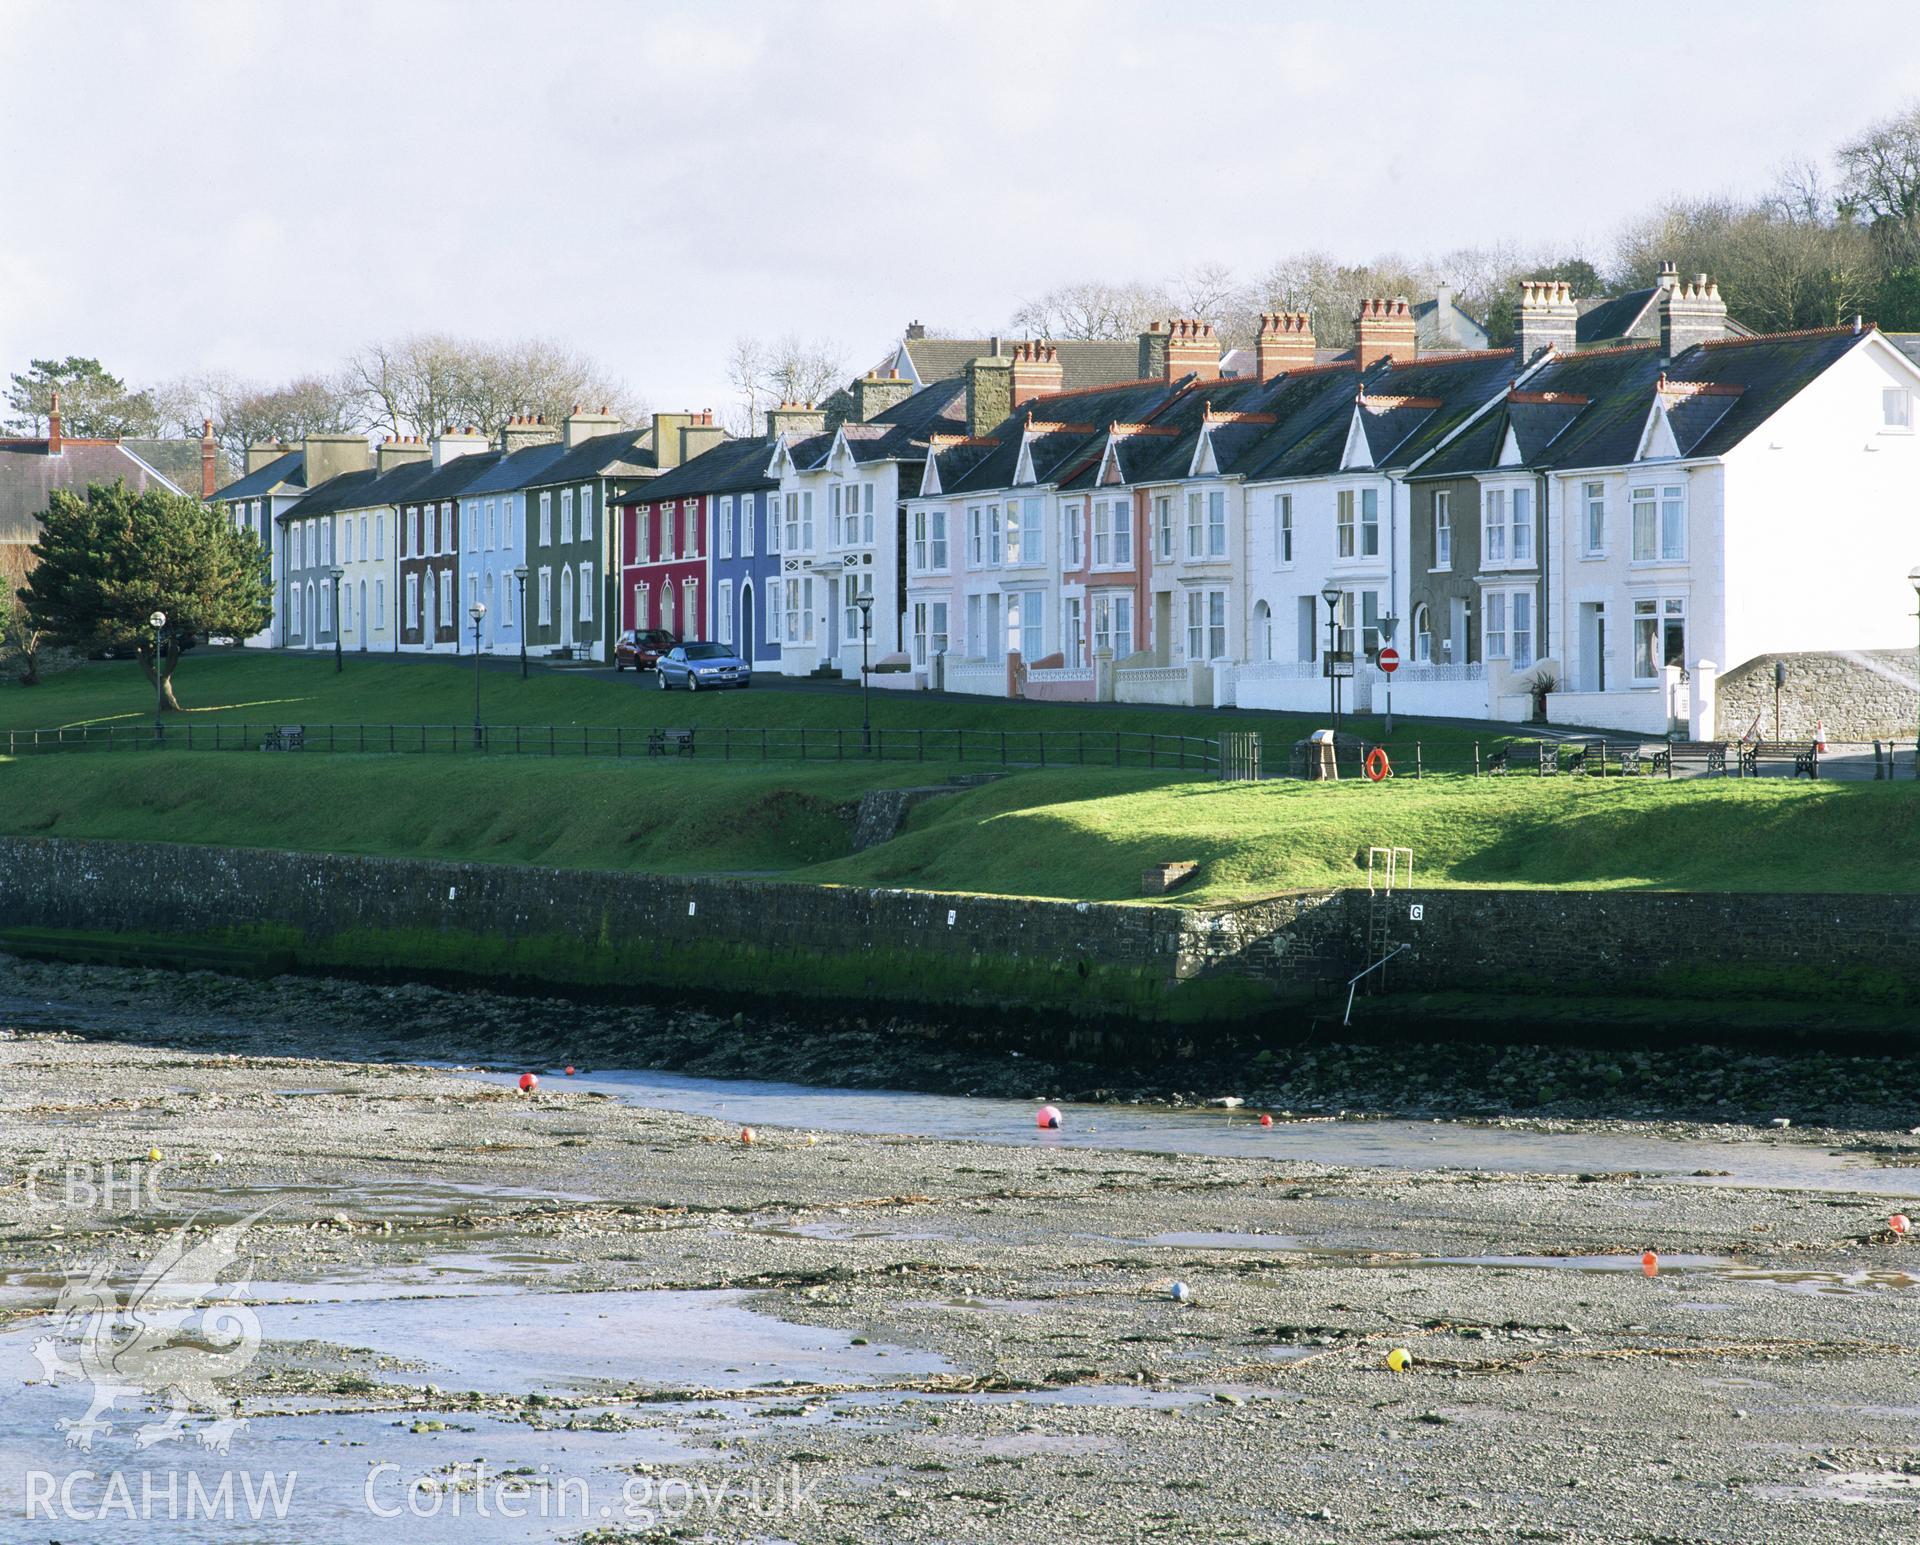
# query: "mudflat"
{"points": [[627, 1323]]}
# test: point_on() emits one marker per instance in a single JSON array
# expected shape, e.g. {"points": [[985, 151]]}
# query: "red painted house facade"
{"points": [[663, 580]]}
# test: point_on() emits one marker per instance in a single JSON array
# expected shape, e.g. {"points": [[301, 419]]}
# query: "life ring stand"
{"points": [[1379, 769]]}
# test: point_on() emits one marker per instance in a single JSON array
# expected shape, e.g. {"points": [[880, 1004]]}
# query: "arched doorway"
{"points": [[1422, 635], [566, 605], [1262, 631], [746, 621]]}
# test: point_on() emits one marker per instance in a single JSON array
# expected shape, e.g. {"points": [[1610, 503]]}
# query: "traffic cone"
{"points": [[1820, 736]]}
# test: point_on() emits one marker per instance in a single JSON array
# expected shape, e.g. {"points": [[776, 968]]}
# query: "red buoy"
{"points": [[1266, 1121], [1899, 1223], [528, 1083], [569, 1070]]}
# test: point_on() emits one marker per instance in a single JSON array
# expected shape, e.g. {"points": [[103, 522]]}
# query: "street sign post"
{"points": [[1388, 659]]}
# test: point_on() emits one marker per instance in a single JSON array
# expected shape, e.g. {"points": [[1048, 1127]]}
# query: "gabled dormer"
{"points": [[1657, 442], [930, 475], [1357, 454], [1023, 473], [1205, 461], [1510, 453]]}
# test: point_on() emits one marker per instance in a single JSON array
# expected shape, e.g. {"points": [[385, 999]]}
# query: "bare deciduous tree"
{"points": [[768, 372], [421, 383], [1093, 310], [1881, 169]]}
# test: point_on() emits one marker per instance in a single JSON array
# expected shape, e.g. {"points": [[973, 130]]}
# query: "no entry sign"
{"points": [[1389, 659]]}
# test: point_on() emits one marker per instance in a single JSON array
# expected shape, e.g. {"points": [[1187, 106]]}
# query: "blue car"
{"points": [[702, 667]]}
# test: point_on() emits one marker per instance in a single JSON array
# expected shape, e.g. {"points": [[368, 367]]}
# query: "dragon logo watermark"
{"points": [[174, 1334]]}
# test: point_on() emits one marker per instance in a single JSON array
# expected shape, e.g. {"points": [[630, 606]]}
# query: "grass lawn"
{"points": [[275, 688], [1080, 834]]}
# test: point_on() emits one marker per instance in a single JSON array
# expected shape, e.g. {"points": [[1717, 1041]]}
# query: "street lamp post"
{"points": [[1913, 578], [866, 686], [157, 622], [520, 618], [1331, 595], [1387, 624], [335, 575], [477, 611]]}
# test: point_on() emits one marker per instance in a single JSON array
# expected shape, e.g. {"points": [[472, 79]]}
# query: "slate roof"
{"points": [[522, 469], [1769, 370], [28, 477], [289, 469], [341, 493], [732, 466], [1436, 329], [625, 453], [1083, 361], [1633, 317], [966, 469], [455, 478], [901, 434]]}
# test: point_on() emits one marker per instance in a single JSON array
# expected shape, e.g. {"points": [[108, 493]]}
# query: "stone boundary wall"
{"points": [[1866, 694], [1083, 960]]}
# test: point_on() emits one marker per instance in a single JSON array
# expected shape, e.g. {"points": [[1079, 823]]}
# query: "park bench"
{"points": [[288, 737], [1548, 752], [674, 742], [1592, 757], [1805, 757], [1710, 756]]}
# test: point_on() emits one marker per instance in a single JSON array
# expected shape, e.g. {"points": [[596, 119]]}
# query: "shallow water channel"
{"points": [[1761, 1160]]}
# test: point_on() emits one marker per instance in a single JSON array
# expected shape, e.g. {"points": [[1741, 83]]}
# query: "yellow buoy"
{"points": [[153, 1155], [1399, 1359]]}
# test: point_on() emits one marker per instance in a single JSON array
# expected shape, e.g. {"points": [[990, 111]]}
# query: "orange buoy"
{"points": [[528, 1083], [1650, 1263], [746, 1136], [569, 1070], [1379, 769], [1899, 1223]]}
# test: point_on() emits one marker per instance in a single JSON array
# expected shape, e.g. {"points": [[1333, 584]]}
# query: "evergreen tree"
{"points": [[108, 559]]}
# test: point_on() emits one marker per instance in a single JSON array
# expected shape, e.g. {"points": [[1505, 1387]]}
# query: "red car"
{"points": [[642, 649]]}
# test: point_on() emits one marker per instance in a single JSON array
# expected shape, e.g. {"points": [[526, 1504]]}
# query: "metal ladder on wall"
{"points": [[1385, 868]]}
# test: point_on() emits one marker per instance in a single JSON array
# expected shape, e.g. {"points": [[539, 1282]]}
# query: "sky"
{"points": [[258, 186]]}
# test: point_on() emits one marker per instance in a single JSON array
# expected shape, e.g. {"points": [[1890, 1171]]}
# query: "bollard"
{"points": [[1476, 759], [1416, 761]]}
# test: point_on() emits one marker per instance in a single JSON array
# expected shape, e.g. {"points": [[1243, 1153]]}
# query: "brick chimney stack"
{"points": [[1036, 369], [1694, 313], [1285, 343], [209, 461], [1384, 328], [53, 426], [1548, 318], [1193, 348]]}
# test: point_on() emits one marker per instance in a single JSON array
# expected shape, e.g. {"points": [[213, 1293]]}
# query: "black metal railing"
{"points": [[727, 743]]}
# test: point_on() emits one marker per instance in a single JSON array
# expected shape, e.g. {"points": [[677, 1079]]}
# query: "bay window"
{"points": [[1344, 540], [1369, 523], [1659, 524], [1493, 626], [1073, 526], [1024, 544], [1521, 505], [1193, 524], [1073, 643], [1659, 635], [1217, 524], [1493, 527], [1113, 622]]}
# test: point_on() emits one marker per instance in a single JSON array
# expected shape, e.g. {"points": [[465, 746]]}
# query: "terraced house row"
{"points": [[1598, 522]]}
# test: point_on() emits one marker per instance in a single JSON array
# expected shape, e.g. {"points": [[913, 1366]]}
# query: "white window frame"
{"points": [[1493, 625], [1661, 611], [1493, 530], [546, 597], [1665, 507], [723, 519], [1283, 531], [1196, 505], [746, 528], [1346, 535], [1896, 411], [1442, 530], [586, 592], [1163, 527], [1593, 519], [1216, 523], [1073, 640], [546, 517]]}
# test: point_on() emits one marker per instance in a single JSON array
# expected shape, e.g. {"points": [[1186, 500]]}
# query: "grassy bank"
{"points": [[265, 689], [1059, 833]]}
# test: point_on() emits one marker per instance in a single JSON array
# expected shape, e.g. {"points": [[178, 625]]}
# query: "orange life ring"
{"points": [[1378, 767]]}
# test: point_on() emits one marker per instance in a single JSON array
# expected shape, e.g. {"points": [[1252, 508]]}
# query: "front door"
{"points": [[566, 605], [746, 623]]}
